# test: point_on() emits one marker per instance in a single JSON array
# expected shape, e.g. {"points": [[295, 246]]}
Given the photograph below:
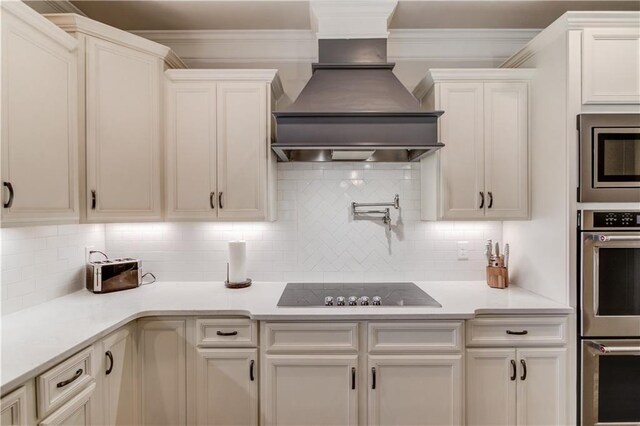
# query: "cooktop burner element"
{"points": [[355, 294]]}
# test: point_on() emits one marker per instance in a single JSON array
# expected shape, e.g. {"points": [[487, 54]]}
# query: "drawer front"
{"points": [[546, 331], [64, 381], [415, 337], [226, 333], [310, 337]]}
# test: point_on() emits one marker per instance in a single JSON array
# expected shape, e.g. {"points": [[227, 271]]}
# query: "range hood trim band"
{"points": [[393, 114]]}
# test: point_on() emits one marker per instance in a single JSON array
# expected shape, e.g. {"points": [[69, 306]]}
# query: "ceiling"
{"points": [[294, 14]]}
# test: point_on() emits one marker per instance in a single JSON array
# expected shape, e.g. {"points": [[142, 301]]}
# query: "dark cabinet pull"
{"points": [[93, 199], [212, 197], [220, 199], [481, 199], [110, 357], [230, 333], [353, 378], [524, 369], [251, 364], [373, 377], [518, 333], [73, 379], [513, 370], [490, 199], [9, 202]]}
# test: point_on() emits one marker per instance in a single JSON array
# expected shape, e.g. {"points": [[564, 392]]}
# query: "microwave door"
{"points": [[616, 158]]}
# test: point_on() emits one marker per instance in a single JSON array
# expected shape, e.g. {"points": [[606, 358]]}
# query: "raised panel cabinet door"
{"points": [[227, 387], [242, 150], [415, 390], [39, 124], [506, 150], [611, 66], [462, 162], [13, 408], [542, 387], [310, 390], [118, 376], [162, 367], [490, 385], [191, 150], [123, 91], [76, 412]]}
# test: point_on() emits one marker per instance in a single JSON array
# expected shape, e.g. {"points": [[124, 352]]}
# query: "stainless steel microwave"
{"points": [[609, 157]]}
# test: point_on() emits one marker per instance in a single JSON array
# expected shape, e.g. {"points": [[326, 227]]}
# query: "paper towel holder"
{"points": [[242, 284]]}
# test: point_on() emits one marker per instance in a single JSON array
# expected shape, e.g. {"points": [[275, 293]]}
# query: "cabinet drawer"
{"points": [[415, 337], [310, 337], [517, 331], [62, 382], [229, 332]]}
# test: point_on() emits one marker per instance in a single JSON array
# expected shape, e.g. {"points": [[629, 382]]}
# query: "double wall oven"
{"points": [[610, 317]]}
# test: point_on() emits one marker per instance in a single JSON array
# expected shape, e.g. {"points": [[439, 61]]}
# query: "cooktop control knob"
{"points": [[340, 300], [377, 300], [364, 301], [328, 301], [353, 301]]}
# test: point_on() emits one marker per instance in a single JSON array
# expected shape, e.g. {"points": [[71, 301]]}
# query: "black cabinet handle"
{"points": [[73, 379], [93, 199], [110, 357], [513, 370], [481, 199], [373, 377], [9, 202], [220, 199], [251, 364], [490, 199], [524, 369], [212, 197], [353, 378], [230, 333], [517, 333]]}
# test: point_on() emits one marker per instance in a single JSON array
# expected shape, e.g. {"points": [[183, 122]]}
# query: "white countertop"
{"points": [[35, 339]]}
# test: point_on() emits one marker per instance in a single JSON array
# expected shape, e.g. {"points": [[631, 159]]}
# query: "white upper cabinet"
{"points": [[121, 98], [483, 170], [219, 161], [39, 120], [611, 65]]}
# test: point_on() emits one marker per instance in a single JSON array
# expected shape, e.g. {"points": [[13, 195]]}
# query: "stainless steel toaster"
{"points": [[106, 276]]}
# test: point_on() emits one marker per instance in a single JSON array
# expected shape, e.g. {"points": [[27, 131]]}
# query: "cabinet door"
{"points": [[611, 66], [415, 390], [542, 387], [227, 387], [191, 150], [39, 124], [462, 161], [13, 408], [318, 390], [242, 150], [76, 412], [123, 133], [162, 366], [491, 387], [118, 378], [506, 150]]}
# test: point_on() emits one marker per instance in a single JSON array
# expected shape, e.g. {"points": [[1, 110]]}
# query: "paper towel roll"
{"points": [[237, 261]]}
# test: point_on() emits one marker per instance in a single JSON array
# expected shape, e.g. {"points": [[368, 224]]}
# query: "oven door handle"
{"points": [[614, 350], [604, 238]]}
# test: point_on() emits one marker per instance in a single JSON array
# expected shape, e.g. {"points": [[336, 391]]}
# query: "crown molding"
{"points": [[63, 6], [438, 75], [269, 76]]}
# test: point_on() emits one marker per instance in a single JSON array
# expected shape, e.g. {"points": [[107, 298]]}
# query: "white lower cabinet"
{"points": [[300, 390], [227, 387], [415, 390], [524, 386], [76, 412]]}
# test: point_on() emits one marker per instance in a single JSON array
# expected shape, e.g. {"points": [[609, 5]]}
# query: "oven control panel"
{"points": [[616, 219]]}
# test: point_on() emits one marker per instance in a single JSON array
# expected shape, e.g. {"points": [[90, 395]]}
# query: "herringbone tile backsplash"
{"points": [[315, 238]]}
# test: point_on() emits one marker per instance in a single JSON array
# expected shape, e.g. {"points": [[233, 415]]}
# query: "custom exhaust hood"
{"points": [[355, 109]]}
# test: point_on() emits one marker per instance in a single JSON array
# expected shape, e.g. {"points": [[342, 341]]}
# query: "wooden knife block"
{"points": [[497, 277]]}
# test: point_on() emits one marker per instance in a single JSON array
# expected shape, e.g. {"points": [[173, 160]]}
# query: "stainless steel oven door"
{"points": [[610, 382], [611, 284]]}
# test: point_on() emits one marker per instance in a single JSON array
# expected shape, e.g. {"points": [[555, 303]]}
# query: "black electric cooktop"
{"points": [[355, 294]]}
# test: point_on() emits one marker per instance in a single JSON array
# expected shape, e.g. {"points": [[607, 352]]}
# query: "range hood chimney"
{"points": [[355, 109]]}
